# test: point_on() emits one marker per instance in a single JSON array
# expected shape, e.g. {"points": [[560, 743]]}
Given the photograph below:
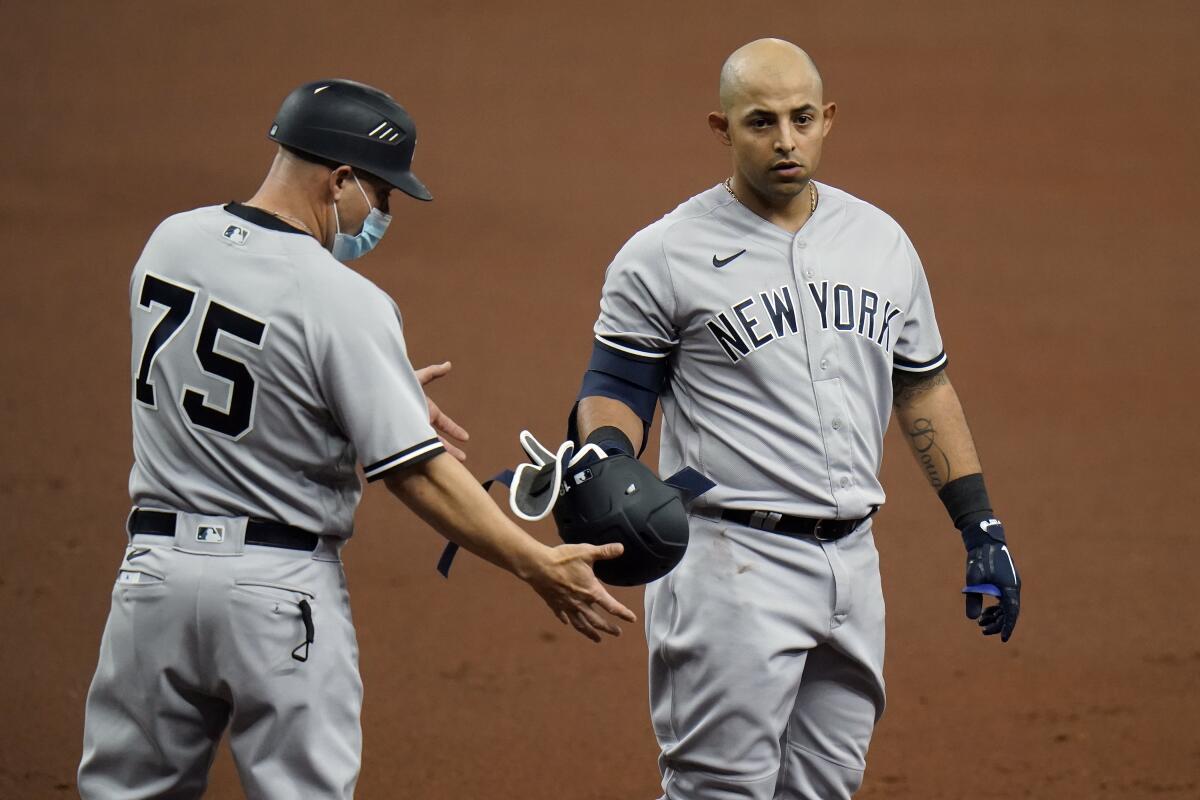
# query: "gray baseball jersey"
{"points": [[780, 349], [263, 371], [766, 650]]}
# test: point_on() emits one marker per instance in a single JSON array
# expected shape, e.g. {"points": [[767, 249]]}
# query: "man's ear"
{"points": [[338, 179], [719, 124], [827, 115]]}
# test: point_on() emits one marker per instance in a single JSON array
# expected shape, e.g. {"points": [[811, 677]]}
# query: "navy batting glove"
{"points": [[990, 570]]}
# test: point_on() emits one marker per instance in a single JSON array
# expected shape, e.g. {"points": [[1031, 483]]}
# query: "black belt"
{"points": [[260, 532], [825, 530]]}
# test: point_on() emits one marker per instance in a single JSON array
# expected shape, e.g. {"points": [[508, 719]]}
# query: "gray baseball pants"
{"points": [[200, 638], [766, 664]]}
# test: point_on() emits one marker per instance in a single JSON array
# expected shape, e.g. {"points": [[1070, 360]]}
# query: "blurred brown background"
{"points": [[1041, 156]]}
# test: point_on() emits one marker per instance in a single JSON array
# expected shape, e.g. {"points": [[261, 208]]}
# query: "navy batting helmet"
{"points": [[354, 124], [618, 499]]}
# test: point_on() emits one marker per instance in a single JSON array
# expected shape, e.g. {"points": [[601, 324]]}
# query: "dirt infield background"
{"points": [[1042, 157]]}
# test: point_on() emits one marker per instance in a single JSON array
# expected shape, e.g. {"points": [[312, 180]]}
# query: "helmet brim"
{"points": [[409, 184]]}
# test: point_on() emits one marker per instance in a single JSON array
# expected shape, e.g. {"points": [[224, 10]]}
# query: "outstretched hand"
{"points": [[566, 582], [452, 435]]}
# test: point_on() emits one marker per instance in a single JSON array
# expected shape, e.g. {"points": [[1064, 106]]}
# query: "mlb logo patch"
{"points": [[236, 234], [210, 533]]}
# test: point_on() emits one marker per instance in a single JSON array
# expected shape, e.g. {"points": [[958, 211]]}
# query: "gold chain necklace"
{"points": [[289, 218], [812, 195]]}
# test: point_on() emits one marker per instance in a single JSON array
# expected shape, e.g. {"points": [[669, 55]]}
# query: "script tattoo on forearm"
{"points": [[932, 458]]}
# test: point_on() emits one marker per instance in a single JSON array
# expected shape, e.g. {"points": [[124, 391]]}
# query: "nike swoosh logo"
{"points": [[720, 262], [137, 554]]}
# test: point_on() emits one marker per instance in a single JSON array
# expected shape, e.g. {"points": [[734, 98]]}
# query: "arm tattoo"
{"points": [[907, 386], [923, 437]]}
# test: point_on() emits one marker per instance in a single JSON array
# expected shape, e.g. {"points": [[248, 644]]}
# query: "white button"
{"points": [[845, 482], [808, 273], [801, 244], [824, 363], [837, 425]]}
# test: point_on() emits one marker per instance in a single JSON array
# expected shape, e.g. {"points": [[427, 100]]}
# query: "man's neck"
{"points": [[292, 207], [789, 213]]}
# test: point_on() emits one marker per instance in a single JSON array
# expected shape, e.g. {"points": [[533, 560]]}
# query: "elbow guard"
{"points": [[634, 381]]}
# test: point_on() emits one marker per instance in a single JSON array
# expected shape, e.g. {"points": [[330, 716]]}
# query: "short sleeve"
{"points": [[919, 347], [368, 382], [637, 303]]}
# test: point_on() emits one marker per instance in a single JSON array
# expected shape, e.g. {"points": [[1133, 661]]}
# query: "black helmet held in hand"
{"points": [[351, 123], [618, 499]]}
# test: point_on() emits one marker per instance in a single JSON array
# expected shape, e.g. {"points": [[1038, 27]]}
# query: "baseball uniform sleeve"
{"points": [[919, 345], [368, 383], [637, 304], [635, 333]]}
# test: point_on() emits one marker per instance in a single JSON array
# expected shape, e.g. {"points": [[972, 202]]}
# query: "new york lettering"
{"points": [[845, 301], [755, 321]]}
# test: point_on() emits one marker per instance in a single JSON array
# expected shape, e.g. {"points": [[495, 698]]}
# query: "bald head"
{"points": [[767, 66], [775, 119]]}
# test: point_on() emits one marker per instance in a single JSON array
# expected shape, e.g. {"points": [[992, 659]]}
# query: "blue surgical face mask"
{"points": [[347, 247]]}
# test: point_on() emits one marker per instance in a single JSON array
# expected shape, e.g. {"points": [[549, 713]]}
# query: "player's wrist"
{"points": [[612, 440], [530, 559], [967, 502]]}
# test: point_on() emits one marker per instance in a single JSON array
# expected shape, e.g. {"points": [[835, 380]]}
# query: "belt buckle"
{"points": [[765, 520], [816, 531]]}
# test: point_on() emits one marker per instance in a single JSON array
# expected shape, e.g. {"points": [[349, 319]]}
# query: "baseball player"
{"points": [[779, 321], [263, 371]]}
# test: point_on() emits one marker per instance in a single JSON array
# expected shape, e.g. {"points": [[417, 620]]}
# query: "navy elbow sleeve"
{"points": [[634, 381], [645, 373], [599, 384]]}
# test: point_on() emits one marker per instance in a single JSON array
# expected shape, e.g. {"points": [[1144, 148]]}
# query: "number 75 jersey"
{"points": [[263, 371]]}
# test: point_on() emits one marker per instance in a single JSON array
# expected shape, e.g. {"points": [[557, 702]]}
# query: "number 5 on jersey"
{"points": [[237, 416]]}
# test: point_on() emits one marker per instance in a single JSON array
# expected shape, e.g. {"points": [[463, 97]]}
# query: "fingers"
{"points": [[1000, 618], [974, 605], [453, 449], [581, 624], [991, 620], [432, 372], [592, 553], [585, 620], [612, 606], [449, 427], [603, 552], [598, 622], [451, 434], [1012, 608]]}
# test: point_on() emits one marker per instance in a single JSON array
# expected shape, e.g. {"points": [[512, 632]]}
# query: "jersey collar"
{"points": [[770, 230], [261, 218]]}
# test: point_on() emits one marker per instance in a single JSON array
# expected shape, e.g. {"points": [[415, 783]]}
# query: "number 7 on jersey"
{"points": [[237, 417]]}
